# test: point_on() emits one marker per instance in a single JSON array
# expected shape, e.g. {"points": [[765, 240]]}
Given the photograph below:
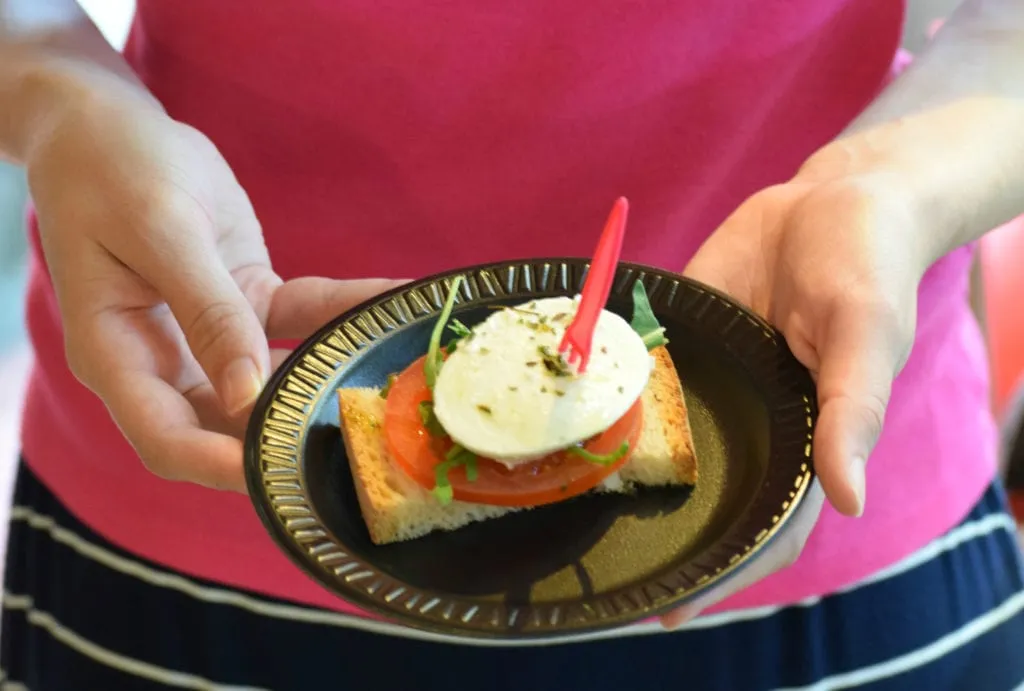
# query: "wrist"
{"points": [[958, 167], [887, 187], [897, 161], [40, 96]]}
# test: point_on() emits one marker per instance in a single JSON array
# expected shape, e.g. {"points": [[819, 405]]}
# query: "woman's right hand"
{"points": [[164, 284]]}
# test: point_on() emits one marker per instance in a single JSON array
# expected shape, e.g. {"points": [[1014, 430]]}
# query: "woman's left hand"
{"points": [[831, 260]]}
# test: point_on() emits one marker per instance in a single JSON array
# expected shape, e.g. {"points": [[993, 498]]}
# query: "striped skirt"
{"points": [[79, 613]]}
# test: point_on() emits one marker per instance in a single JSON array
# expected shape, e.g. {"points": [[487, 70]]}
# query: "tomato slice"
{"points": [[550, 479]]}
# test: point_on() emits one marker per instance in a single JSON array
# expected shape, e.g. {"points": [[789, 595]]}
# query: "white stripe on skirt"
{"points": [[222, 596]]}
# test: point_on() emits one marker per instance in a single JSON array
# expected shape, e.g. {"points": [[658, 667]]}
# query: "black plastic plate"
{"points": [[587, 564]]}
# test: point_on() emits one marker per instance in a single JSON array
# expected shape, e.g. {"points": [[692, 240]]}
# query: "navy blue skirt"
{"points": [[79, 613]]}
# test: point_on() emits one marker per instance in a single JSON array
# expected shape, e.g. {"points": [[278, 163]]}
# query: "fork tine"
{"points": [[571, 353], [576, 355]]}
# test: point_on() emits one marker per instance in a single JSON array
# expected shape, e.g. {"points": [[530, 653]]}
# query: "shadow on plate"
{"points": [[505, 556]]}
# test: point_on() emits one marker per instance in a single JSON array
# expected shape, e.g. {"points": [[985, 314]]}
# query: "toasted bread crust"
{"points": [[665, 394], [396, 508], [393, 505]]}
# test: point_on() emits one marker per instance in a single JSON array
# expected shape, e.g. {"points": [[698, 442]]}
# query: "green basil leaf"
{"points": [[455, 457], [442, 485], [644, 322], [459, 329], [430, 421], [392, 378], [471, 469], [600, 459], [434, 358], [461, 332]]}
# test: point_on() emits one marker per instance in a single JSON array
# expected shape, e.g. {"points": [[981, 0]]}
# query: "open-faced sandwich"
{"points": [[495, 420]]}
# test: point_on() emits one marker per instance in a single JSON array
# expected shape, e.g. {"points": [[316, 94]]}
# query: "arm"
{"points": [[163, 281], [949, 133], [52, 59], [834, 257]]}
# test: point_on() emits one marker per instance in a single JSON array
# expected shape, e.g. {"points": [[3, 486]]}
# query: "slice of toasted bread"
{"points": [[396, 508]]}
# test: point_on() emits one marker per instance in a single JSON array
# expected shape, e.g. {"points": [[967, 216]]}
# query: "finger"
{"points": [[859, 358], [303, 305], [135, 359], [278, 356], [757, 570], [178, 255], [732, 261], [707, 267], [210, 412], [224, 333], [782, 552], [164, 430]]}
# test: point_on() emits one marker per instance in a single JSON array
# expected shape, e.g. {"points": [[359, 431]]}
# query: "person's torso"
{"points": [[384, 138], [399, 139]]}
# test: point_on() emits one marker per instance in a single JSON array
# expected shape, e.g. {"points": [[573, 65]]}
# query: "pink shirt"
{"points": [[379, 137]]}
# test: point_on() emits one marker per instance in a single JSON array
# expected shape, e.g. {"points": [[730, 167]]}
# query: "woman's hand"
{"points": [[164, 285], [834, 257], [834, 261]]}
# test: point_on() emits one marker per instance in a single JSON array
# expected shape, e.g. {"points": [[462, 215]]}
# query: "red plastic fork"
{"points": [[579, 337]]}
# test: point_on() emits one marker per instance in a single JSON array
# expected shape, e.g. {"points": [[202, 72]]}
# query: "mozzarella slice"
{"points": [[506, 393]]}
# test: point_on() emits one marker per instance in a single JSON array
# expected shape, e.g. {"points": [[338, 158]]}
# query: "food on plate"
{"points": [[496, 421]]}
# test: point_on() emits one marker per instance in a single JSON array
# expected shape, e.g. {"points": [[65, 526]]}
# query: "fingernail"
{"points": [[677, 617], [855, 475], [242, 384]]}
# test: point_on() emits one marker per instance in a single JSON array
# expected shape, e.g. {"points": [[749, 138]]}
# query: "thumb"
{"points": [[858, 362], [303, 305]]}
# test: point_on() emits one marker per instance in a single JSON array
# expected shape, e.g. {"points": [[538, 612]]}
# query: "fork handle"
{"points": [[579, 337], [606, 258]]}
